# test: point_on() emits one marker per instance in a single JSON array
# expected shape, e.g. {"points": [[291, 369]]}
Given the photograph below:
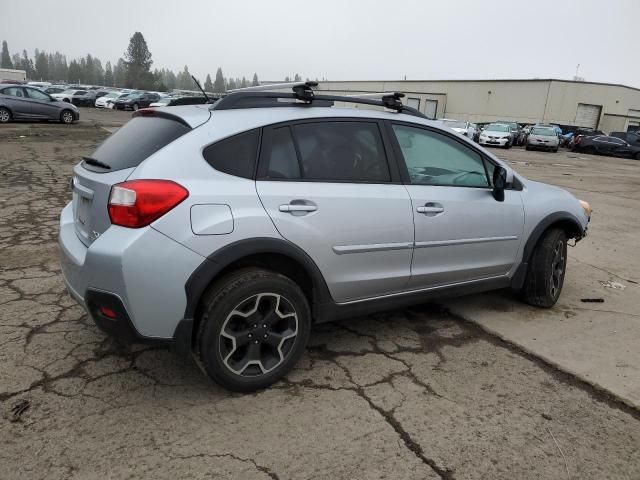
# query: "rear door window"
{"points": [[136, 140], [234, 155]]}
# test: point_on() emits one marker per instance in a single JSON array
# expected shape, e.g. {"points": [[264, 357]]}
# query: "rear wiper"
{"points": [[96, 163]]}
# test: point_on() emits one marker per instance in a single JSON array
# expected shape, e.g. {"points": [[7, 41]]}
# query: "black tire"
{"points": [[135, 107], [555, 150], [66, 116], [547, 269], [527, 147], [259, 296], [5, 115], [637, 156], [589, 150], [508, 145]]}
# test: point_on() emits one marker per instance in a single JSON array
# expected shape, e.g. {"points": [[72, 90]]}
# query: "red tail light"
{"points": [[137, 203], [578, 139]]}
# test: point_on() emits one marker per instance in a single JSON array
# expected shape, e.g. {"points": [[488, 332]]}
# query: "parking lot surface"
{"points": [[416, 393]]}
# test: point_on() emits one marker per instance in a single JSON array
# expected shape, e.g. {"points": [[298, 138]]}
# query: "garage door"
{"points": [[588, 115], [414, 102], [430, 108]]}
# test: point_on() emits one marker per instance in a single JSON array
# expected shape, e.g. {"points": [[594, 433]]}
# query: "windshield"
{"points": [[71, 91], [546, 132], [454, 124], [497, 128], [113, 94]]}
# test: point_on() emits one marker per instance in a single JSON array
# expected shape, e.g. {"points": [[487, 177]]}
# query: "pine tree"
{"points": [[208, 85], [27, 65], [255, 81], [5, 60], [119, 73], [219, 84], [108, 75], [75, 72], [297, 78], [244, 83], [231, 84], [138, 61], [42, 66]]}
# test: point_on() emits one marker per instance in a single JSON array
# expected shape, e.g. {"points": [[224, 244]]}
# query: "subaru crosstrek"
{"points": [[229, 229]]}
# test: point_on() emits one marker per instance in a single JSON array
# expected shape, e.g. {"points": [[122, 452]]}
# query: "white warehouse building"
{"points": [[604, 106]]}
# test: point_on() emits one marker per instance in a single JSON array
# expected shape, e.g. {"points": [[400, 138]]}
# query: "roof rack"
{"points": [[303, 95]]}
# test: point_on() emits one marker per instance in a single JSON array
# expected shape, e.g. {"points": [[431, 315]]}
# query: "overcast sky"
{"points": [[346, 39]]}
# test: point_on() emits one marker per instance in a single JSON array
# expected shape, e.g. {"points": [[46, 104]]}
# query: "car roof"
{"points": [[243, 119]]}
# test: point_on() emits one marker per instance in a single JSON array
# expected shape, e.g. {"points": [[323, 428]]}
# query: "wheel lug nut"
{"points": [[255, 326], [256, 342], [249, 335], [264, 325], [265, 335]]}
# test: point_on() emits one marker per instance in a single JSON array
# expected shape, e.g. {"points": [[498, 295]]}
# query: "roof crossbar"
{"points": [[303, 95]]}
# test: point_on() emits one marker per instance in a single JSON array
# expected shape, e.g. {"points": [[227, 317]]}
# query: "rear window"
{"points": [[234, 155], [547, 132], [136, 140]]}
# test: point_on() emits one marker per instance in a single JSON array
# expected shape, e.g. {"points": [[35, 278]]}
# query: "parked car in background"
{"points": [[515, 130], [497, 135], [29, 103], [464, 128], [65, 95], [544, 138], [632, 138], [177, 101], [52, 90], [134, 101], [606, 145], [106, 101], [84, 98]]}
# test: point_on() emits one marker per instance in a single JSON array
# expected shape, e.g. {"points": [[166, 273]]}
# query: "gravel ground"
{"points": [[416, 393]]}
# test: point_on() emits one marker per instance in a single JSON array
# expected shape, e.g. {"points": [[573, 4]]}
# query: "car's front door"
{"points": [[329, 189], [18, 102], [461, 232], [42, 106]]}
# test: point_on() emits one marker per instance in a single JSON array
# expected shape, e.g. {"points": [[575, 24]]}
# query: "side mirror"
{"points": [[500, 181]]}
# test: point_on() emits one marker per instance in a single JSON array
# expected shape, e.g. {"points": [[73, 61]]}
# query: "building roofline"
{"points": [[484, 80]]}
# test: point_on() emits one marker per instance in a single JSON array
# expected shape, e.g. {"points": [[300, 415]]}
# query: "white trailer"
{"points": [[10, 74]]}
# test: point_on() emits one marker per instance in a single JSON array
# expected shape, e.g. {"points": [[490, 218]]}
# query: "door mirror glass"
{"points": [[499, 182]]}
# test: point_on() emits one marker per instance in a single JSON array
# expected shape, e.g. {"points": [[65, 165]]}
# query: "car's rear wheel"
{"points": [[135, 107], [5, 115], [547, 268], [254, 326], [637, 156], [527, 147], [589, 150], [66, 116]]}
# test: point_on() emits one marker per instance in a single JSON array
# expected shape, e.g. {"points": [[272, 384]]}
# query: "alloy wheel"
{"points": [[557, 269], [258, 335], [4, 116], [67, 117]]}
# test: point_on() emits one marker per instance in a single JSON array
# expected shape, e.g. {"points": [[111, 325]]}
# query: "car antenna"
{"points": [[201, 89]]}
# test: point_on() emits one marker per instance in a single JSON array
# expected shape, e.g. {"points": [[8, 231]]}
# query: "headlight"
{"points": [[585, 206]]}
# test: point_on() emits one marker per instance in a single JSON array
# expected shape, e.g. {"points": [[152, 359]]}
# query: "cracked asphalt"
{"points": [[417, 393]]}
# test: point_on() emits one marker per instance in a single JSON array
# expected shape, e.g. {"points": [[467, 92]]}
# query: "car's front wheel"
{"points": [[5, 115], [66, 116], [135, 107], [254, 326], [545, 276]]}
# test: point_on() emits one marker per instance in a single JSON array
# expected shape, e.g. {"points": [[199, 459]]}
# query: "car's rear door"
{"points": [[42, 106], [329, 189], [461, 232], [17, 100]]}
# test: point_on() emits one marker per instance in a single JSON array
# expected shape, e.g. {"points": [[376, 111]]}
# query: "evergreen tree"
{"points": [[5, 59], [17, 61], [138, 61], [208, 85], [184, 81], [119, 73], [231, 84], [219, 84], [244, 83], [108, 75], [42, 66], [255, 81], [27, 65], [74, 73], [297, 78]]}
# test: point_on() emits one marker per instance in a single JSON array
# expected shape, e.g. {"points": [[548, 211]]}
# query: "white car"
{"points": [[65, 96], [497, 135], [467, 129], [106, 101], [163, 101]]}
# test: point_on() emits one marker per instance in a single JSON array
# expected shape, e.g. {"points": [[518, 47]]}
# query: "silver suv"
{"points": [[230, 229]]}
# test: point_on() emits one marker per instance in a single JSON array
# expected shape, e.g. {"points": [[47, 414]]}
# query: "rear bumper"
{"points": [[139, 271], [499, 142]]}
